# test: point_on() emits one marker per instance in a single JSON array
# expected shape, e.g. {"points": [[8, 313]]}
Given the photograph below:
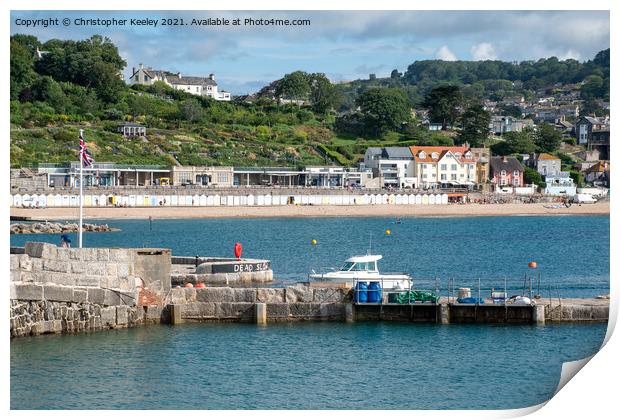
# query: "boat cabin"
{"points": [[364, 263]]}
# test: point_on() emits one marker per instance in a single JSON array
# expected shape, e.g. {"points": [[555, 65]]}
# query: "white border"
{"points": [[590, 395]]}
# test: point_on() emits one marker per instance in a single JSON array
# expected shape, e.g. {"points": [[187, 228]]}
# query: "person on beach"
{"points": [[65, 242]]}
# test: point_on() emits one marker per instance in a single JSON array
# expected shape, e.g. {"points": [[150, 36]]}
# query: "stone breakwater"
{"points": [[57, 289], [294, 303], [50, 227]]}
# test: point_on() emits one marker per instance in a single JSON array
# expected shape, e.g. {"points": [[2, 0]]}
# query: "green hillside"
{"points": [[77, 84]]}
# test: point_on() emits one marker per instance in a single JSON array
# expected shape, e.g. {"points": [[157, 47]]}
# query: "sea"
{"points": [[378, 365]]}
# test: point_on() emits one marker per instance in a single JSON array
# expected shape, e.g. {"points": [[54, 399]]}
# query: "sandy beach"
{"points": [[455, 210]]}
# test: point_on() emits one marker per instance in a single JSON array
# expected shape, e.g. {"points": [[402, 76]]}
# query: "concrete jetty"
{"points": [[68, 290]]}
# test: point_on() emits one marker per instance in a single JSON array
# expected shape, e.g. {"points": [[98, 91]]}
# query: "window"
{"points": [[502, 173], [347, 266], [222, 178], [424, 166], [462, 175], [185, 176], [424, 176], [453, 167], [422, 155], [443, 177], [444, 167], [434, 155], [515, 174], [471, 166], [197, 88], [453, 177]]}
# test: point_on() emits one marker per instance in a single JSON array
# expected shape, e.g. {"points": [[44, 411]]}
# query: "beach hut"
{"points": [[425, 199], [444, 199], [132, 201], [88, 200], [202, 200], [431, 199], [217, 200], [17, 200], [251, 200], [438, 198], [418, 199], [50, 200]]}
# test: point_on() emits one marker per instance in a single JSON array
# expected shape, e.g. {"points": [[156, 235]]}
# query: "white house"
{"points": [[393, 165], [435, 165], [560, 184], [200, 86]]}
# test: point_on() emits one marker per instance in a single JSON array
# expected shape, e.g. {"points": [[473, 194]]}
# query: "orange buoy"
{"points": [[200, 285], [178, 286], [188, 285], [532, 264]]}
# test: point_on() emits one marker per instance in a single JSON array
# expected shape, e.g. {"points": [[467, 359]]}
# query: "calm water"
{"points": [[305, 366], [333, 365], [572, 252]]}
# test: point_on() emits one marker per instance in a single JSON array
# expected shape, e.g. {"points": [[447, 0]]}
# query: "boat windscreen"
{"points": [[347, 266]]}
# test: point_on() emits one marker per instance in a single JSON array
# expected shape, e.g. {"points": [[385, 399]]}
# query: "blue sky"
{"points": [[345, 45]]}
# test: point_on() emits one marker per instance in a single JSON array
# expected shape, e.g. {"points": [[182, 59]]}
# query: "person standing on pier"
{"points": [[65, 242]]}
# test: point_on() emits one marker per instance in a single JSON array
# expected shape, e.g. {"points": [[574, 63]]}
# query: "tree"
{"points": [[395, 74], [444, 103], [23, 49], [294, 85], [384, 109], [475, 122], [531, 176], [547, 138], [190, 110], [46, 89], [323, 95]]}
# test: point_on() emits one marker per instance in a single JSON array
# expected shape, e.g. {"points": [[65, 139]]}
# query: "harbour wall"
{"points": [[55, 289], [68, 290]]}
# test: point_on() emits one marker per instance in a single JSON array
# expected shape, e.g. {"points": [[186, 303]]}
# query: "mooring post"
{"points": [[261, 313], [538, 314], [444, 313], [348, 313], [175, 314]]}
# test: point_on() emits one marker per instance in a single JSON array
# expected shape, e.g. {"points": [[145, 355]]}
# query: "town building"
{"points": [[560, 183], [436, 166], [546, 164], [216, 176], [506, 171], [129, 129], [392, 165], [500, 124], [594, 133], [200, 86], [482, 156], [599, 174], [102, 174]]}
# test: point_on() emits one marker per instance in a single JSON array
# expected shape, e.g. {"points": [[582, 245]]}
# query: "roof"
{"points": [[364, 258], [511, 164], [130, 124], [600, 166], [547, 156], [397, 152], [374, 150], [190, 80], [441, 152]]}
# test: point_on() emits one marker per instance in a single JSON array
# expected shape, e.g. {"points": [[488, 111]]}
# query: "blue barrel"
{"points": [[361, 292], [374, 292]]}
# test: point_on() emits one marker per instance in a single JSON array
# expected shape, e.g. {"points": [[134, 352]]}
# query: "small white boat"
{"points": [[364, 268]]}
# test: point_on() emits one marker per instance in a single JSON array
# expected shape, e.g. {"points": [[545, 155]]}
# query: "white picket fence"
{"points": [[203, 200]]}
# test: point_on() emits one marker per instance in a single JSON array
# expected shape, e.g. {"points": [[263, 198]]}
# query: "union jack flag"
{"points": [[85, 157]]}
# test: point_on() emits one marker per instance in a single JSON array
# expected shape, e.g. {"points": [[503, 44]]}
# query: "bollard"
{"points": [[260, 310], [348, 313], [175, 314], [444, 313], [538, 314]]}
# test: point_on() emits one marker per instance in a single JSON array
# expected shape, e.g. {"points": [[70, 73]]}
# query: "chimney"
{"points": [[133, 70], [504, 159], [212, 77], [141, 66], [179, 74]]}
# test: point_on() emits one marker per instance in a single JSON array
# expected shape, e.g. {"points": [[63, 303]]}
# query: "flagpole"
{"points": [[81, 197]]}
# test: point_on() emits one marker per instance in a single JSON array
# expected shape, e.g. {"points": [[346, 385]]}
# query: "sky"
{"points": [[345, 45]]}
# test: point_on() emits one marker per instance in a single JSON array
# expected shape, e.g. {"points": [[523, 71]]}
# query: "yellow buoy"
{"points": [[388, 232], [313, 242]]}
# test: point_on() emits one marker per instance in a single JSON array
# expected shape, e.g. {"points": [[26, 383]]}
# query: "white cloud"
{"points": [[444, 53], [483, 51], [570, 54]]}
